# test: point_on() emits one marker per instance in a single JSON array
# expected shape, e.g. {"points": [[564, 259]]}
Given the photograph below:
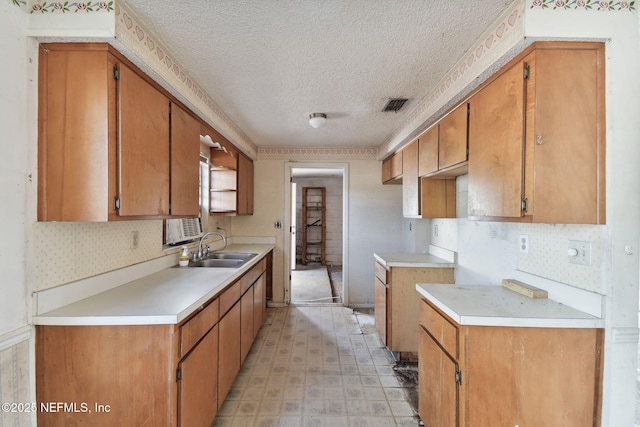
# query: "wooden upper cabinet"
{"points": [[410, 181], [452, 142], [198, 385], [536, 138], [185, 162], [496, 146], [74, 144], [565, 131], [143, 147], [392, 169], [245, 185], [428, 151], [108, 148]]}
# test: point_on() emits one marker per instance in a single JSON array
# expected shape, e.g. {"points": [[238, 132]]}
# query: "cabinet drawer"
{"points": [[382, 273], [230, 297], [440, 328], [252, 275], [197, 326]]}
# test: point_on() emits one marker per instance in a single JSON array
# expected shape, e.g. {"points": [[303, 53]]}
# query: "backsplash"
{"points": [[65, 252], [547, 257]]}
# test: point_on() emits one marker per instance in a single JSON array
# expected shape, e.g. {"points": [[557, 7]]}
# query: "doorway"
{"points": [[316, 251]]}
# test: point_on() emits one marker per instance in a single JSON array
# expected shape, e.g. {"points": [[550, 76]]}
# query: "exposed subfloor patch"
{"points": [[406, 371]]}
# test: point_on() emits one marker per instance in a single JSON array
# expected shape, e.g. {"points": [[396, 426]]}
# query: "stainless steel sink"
{"points": [[244, 256], [223, 260]]}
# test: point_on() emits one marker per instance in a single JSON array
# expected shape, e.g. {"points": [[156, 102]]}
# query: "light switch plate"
{"points": [[583, 256]]}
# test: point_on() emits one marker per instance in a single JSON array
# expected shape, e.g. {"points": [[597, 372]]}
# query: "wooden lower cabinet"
{"points": [[439, 390], [198, 385], [396, 307], [507, 376], [129, 368], [380, 308], [259, 303], [150, 375], [246, 324], [229, 352]]}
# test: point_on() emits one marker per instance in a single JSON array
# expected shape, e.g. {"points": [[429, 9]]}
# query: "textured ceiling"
{"points": [[270, 63]]}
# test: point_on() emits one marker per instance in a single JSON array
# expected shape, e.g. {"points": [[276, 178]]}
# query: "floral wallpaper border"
{"points": [[318, 153], [507, 27], [587, 5], [135, 36], [64, 7]]}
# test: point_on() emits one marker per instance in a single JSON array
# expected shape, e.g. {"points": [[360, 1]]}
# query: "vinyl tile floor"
{"points": [[314, 366]]}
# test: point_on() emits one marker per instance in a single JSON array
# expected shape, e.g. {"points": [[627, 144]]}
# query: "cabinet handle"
{"points": [[539, 139]]}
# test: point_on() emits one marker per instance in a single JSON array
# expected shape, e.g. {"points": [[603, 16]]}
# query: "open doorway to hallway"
{"points": [[316, 255]]}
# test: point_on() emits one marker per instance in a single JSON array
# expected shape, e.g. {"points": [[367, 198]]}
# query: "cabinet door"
{"points": [[452, 145], [198, 386], [245, 185], [437, 198], [496, 147], [428, 151], [73, 158], [246, 323], [229, 352], [410, 181], [185, 163], [380, 309], [392, 169], [438, 389], [259, 303], [568, 135], [143, 147]]}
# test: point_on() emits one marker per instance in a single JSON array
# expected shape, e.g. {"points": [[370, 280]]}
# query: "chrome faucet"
{"points": [[200, 254]]}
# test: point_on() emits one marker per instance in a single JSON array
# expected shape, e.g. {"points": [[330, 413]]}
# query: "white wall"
{"points": [[18, 179], [18, 89]]}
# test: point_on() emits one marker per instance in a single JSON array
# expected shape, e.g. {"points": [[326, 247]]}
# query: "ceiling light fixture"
{"points": [[317, 120]]}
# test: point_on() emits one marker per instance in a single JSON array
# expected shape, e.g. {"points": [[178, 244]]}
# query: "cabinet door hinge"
{"points": [[526, 72], [116, 203], [525, 205], [458, 376], [178, 374], [116, 73]]}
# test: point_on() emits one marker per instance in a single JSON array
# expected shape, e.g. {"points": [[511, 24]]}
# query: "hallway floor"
{"points": [[315, 366], [311, 284]]}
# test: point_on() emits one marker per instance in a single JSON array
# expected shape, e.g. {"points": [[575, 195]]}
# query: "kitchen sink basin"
{"points": [[244, 256], [223, 260]]}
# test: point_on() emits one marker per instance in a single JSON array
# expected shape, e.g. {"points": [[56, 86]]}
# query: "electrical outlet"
{"points": [[523, 243], [134, 240], [579, 252], [435, 230]]}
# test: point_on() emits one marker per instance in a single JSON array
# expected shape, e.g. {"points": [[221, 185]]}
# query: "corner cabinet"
{"points": [[245, 185], [507, 376], [536, 138], [106, 133], [231, 183]]}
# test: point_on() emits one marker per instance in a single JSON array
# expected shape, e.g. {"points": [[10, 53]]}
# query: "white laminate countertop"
{"points": [[166, 297], [480, 305], [412, 260]]}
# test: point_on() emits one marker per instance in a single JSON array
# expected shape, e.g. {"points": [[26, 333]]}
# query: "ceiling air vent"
{"points": [[394, 104]]}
